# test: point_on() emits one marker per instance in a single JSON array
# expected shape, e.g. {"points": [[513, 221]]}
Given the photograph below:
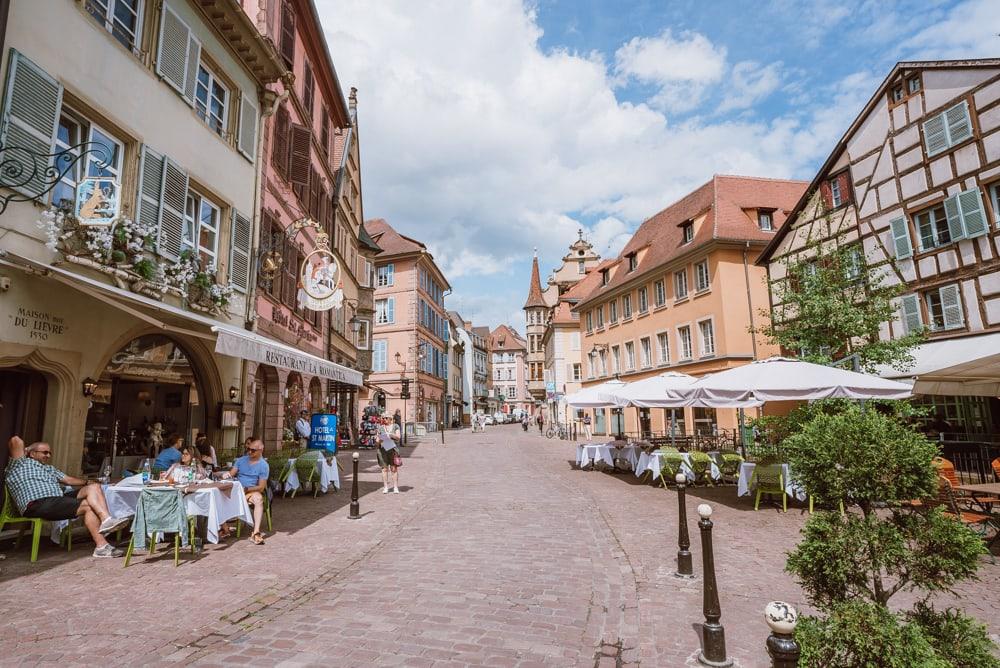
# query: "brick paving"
{"points": [[498, 553]]}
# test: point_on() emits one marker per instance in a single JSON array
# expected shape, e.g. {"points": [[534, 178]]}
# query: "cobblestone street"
{"points": [[498, 552]]}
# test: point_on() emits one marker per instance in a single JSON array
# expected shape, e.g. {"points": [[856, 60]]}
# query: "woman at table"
{"points": [[180, 471], [206, 453], [386, 454]]}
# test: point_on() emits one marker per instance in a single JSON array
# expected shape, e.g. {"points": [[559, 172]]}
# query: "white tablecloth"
{"points": [[210, 502], [650, 461], [792, 488], [591, 452], [328, 473]]}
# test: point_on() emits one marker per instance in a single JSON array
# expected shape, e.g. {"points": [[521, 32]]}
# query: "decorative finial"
{"points": [[536, 251], [580, 232]]}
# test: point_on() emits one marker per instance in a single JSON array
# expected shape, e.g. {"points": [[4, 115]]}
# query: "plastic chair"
{"points": [[670, 465], [306, 466], [160, 511], [996, 468], [840, 504], [701, 465], [729, 463], [10, 515], [946, 498], [267, 515], [769, 479]]}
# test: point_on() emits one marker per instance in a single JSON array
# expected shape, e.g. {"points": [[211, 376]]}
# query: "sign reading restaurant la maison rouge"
{"points": [[38, 325]]}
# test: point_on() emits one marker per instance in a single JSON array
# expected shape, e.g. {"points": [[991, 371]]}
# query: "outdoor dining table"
{"points": [[984, 490], [591, 452], [650, 462], [792, 488], [328, 474], [217, 502]]}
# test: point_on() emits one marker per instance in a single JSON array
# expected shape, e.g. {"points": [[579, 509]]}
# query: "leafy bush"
{"points": [[959, 639]]}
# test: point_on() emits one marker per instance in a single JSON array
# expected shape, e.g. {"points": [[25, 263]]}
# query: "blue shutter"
{"points": [[958, 122], [951, 306], [935, 134], [912, 321], [390, 309], [956, 230], [973, 215], [901, 238]]}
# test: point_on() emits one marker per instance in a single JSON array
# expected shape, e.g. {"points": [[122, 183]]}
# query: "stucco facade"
{"points": [[507, 351]]}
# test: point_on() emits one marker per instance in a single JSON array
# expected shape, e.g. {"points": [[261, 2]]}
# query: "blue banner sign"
{"points": [[324, 432]]}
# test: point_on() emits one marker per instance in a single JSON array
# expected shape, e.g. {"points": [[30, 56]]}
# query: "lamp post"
{"points": [[421, 353]]}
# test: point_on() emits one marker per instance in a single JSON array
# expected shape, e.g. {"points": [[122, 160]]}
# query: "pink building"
{"points": [[410, 335], [510, 383]]}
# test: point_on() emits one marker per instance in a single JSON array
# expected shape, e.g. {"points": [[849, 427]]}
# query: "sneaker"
{"points": [[395, 490], [113, 524], [385, 490], [108, 550]]}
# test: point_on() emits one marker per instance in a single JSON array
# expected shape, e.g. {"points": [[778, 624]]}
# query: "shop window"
{"points": [[201, 229], [122, 18], [211, 100], [105, 160]]}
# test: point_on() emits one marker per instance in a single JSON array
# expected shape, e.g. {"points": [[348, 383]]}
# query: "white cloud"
{"points": [[682, 67], [969, 30], [750, 82]]}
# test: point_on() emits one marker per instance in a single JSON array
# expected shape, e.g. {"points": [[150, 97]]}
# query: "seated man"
{"points": [[36, 487], [170, 454], [252, 471]]}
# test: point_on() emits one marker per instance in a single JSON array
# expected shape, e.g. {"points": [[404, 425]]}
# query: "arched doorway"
{"points": [[149, 390], [295, 399], [316, 396], [22, 407]]}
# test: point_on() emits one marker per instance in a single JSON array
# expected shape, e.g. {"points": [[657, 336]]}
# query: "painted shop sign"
{"points": [[320, 282], [297, 327], [38, 325]]}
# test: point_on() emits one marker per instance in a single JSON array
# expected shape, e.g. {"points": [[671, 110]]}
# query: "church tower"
{"points": [[536, 318]]}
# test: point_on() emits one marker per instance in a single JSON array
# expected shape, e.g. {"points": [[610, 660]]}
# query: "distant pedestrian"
{"points": [[540, 421], [586, 427], [398, 419], [303, 430], [387, 454]]}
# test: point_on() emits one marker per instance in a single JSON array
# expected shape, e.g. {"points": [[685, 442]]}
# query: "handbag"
{"points": [[397, 461]]}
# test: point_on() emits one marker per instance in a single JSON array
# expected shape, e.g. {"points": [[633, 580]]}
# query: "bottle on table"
{"points": [[147, 471], [106, 475]]}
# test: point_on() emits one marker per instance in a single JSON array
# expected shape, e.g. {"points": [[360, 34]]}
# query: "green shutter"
{"points": [[30, 115], [246, 138], [956, 229], [174, 47], [239, 255], [912, 321], [175, 187], [150, 191], [900, 239], [973, 215], [959, 124], [951, 306], [935, 134]]}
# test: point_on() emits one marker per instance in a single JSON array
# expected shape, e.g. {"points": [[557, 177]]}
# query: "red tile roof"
{"points": [[535, 287], [389, 240], [512, 340], [725, 201]]}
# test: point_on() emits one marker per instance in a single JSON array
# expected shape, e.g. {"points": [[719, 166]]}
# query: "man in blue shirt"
{"points": [[170, 454], [252, 471]]}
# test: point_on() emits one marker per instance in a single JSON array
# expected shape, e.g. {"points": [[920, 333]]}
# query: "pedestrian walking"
{"points": [[586, 427], [388, 455], [541, 421], [398, 419]]}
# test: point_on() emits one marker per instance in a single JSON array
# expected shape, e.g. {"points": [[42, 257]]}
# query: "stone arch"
{"points": [[267, 409], [316, 404], [294, 393]]}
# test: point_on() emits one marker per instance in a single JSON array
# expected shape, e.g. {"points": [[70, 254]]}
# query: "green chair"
{"points": [[306, 467], [701, 464], [267, 515], [670, 465], [9, 514], [280, 464], [729, 462], [160, 510], [769, 479], [840, 503]]}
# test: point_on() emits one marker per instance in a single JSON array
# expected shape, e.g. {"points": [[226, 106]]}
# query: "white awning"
{"points": [[254, 347], [969, 366], [230, 340]]}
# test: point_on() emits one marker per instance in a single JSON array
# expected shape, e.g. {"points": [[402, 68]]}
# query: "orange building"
{"points": [[682, 296]]}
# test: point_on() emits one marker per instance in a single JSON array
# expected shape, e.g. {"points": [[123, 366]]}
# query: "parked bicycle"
{"points": [[556, 429]]}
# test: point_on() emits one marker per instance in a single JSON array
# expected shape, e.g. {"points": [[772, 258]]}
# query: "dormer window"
{"points": [[604, 276], [765, 220], [687, 232], [581, 267], [633, 262]]}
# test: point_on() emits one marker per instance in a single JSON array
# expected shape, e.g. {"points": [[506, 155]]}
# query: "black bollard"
{"points": [[684, 567], [781, 645], [713, 636], [355, 506], [442, 433]]}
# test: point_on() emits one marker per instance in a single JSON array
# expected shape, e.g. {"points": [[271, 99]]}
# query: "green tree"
{"points": [[832, 304], [851, 565]]}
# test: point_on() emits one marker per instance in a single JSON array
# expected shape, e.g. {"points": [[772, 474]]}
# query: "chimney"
{"points": [[352, 100]]}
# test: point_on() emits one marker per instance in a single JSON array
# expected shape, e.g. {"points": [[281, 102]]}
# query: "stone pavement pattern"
{"points": [[498, 552]]}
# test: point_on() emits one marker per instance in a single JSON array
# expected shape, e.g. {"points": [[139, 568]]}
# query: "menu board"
{"points": [[324, 432]]}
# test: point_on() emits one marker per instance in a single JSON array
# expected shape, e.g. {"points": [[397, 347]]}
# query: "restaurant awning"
{"points": [[229, 340], [969, 366]]}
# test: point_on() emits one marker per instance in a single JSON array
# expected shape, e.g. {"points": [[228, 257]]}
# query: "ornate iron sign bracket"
{"points": [[31, 176]]}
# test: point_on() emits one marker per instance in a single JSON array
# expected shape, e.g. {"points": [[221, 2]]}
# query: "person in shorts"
{"points": [[386, 453], [37, 489]]}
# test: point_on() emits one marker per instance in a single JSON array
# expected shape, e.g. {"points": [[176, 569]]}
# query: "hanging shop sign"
{"points": [[98, 201], [319, 282]]}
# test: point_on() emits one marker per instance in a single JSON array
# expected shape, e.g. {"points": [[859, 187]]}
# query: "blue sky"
{"points": [[492, 127]]}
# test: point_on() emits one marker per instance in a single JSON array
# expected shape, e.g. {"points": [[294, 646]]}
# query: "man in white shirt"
{"points": [[303, 429]]}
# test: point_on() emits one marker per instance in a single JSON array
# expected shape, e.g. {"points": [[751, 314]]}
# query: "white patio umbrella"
{"points": [[666, 390], [784, 379], [598, 396]]}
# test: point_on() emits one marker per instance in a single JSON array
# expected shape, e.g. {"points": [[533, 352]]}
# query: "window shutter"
{"points": [[900, 238], [279, 138], [174, 49], [150, 193], [846, 191], [288, 34], [289, 274], [246, 139], [390, 305], [935, 134], [239, 256], [912, 321], [826, 194], [300, 140], [959, 123], [973, 216], [951, 306], [193, 60], [956, 230], [175, 187], [30, 115]]}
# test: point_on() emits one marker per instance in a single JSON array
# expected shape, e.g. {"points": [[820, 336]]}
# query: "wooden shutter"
{"points": [[951, 306], [901, 238], [246, 138], [959, 123], [290, 272], [193, 60], [288, 34], [826, 194], [935, 135], [973, 215], [30, 116], [265, 238], [173, 50], [175, 187], [150, 191], [308, 88], [956, 230], [846, 191], [239, 254], [279, 139], [300, 141], [912, 321]]}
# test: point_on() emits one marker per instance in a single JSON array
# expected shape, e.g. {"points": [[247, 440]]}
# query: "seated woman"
{"points": [[206, 453], [180, 472]]}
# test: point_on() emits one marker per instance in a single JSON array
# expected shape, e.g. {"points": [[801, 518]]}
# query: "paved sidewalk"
{"points": [[498, 552]]}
